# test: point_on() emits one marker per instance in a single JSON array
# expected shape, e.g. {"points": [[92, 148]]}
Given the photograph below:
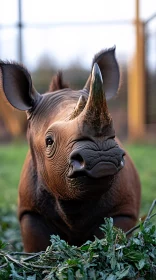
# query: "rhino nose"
{"points": [[95, 164], [76, 163]]}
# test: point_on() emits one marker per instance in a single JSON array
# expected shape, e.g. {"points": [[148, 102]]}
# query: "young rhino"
{"points": [[75, 173]]}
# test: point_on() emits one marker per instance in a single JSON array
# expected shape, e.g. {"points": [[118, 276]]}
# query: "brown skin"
{"points": [[69, 185], [45, 208], [76, 220]]}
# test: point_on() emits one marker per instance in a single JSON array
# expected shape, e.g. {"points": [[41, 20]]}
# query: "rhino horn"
{"points": [[96, 110], [78, 108]]}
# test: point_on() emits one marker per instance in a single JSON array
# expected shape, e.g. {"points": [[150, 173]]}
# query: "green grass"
{"points": [[12, 158], [11, 161], [144, 157]]}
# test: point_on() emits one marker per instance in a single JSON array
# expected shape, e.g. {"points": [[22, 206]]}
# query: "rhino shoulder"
{"points": [[27, 186]]}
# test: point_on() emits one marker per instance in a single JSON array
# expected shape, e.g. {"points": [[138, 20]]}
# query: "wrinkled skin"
{"points": [[76, 172]]}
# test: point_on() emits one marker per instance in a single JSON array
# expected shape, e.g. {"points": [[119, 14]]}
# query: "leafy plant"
{"points": [[112, 258], [9, 230]]}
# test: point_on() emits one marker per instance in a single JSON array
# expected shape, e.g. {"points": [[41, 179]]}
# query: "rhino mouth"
{"points": [[99, 170]]}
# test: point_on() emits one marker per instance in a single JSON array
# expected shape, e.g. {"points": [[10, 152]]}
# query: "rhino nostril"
{"points": [[76, 164], [76, 161]]}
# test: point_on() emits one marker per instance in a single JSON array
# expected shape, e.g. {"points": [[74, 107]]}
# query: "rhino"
{"points": [[76, 171]]}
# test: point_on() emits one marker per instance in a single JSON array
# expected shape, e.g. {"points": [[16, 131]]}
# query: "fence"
{"points": [[119, 110]]}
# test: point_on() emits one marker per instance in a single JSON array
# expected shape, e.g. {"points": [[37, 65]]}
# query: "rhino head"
{"points": [[74, 152]]}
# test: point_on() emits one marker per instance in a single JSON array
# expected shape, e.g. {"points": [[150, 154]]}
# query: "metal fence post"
{"points": [[20, 27]]}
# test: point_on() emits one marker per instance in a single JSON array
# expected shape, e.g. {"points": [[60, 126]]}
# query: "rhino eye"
{"points": [[49, 141]]}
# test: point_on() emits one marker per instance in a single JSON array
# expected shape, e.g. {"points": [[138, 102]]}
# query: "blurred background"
{"points": [[50, 35], [47, 36]]}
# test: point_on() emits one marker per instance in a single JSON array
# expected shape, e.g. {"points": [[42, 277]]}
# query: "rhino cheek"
{"points": [[54, 175]]}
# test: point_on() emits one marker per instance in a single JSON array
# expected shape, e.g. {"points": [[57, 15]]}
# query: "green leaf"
{"points": [[70, 274], [14, 273], [33, 277], [134, 255], [142, 263], [85, 247], [79, 275], [111, 277], [2, 245], [123, 273], [113, 262], [110, 258]]}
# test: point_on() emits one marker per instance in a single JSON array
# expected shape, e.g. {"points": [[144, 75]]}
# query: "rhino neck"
{"points": [[77, 215], [76, 212]]}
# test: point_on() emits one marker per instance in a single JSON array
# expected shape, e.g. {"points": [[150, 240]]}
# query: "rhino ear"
{"points": [[17, 86], [57, 83], [110, 72]]}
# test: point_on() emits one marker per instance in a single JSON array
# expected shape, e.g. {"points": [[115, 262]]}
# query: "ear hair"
{"points": [[102, 53], [109, 70], [18, 65], [57, 83], [16, 85]]}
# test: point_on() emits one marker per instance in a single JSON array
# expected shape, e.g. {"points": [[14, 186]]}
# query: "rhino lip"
{"points": [[101, 169]]}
